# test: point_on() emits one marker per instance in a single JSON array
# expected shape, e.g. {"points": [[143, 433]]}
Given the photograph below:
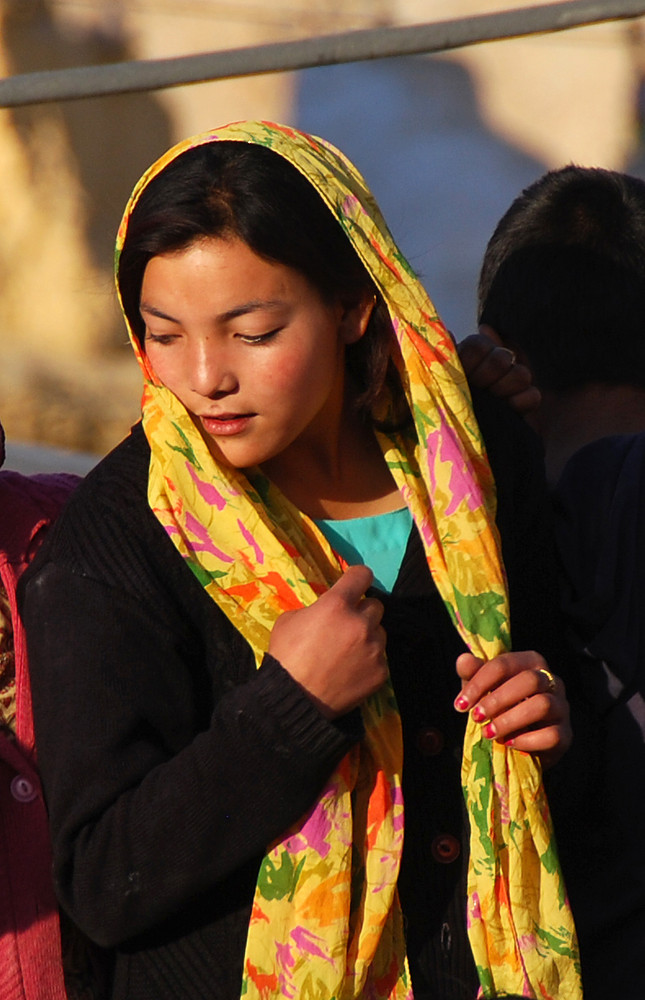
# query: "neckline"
{"points": [[363, 517]]}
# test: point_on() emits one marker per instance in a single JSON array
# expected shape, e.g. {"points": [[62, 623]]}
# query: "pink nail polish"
{"points": [[489, 731], [461, 703], [478, 713]]}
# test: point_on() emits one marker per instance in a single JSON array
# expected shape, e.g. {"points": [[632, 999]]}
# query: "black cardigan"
{"points": [[170, 763]]}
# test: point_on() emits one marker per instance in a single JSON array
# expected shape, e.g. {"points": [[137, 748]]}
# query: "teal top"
{"points": [[378, 541]]}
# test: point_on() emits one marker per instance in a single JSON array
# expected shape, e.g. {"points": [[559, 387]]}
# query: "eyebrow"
{"points": [[242, 310]]}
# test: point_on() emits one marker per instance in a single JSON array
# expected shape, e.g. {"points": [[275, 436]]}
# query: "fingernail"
{"points": [[489, 731], [461, 703], [509, 743], [479, 714]]}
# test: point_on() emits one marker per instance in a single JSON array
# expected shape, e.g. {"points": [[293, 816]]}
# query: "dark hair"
{"points": [[563, 278], [246, 191]]}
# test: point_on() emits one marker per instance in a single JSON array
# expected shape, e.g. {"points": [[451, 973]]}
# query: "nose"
{"points": [[212, 372]]}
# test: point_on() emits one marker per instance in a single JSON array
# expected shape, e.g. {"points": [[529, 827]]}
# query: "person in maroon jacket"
{"points": [[30, 940]]}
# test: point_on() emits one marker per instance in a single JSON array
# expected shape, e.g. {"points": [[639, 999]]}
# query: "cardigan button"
{"points": [[430, 741], [23, 789], [445, 848]]}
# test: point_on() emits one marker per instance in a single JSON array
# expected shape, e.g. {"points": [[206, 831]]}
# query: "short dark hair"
{"points": [[241, 190], [563, 278]]}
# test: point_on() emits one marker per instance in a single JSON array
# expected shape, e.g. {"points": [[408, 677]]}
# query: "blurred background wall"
{"points": [[446, 142]]}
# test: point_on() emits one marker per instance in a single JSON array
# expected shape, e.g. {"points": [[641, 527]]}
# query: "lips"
{"points": [[226, 424]]}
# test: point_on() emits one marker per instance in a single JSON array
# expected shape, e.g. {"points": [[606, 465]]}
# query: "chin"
{"points": [[239, 462]]}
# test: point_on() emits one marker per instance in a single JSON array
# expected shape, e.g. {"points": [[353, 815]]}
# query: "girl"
{"points": [[219, 728]]}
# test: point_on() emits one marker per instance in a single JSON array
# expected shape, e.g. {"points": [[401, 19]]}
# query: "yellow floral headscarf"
{"points": [[326, 921]]}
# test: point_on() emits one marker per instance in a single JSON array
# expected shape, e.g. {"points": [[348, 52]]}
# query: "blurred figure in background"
{"points": [[30, 946], [562, 296]]}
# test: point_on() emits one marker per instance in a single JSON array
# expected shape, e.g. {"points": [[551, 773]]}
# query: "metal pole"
{"points": [[326, 50]]}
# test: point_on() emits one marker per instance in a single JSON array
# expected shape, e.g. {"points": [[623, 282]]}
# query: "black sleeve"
{"points": [[157, 791]]}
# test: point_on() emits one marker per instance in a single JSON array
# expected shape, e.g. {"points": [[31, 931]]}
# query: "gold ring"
{"points": [[549, 677]]}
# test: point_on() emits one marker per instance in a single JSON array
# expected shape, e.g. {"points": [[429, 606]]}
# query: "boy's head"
{"points": [[563, 278]]}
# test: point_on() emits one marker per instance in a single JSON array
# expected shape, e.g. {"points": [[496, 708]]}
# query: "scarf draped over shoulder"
{"points": [[326, 921]]}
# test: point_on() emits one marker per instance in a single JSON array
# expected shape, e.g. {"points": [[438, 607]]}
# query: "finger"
{"points": [[352, 585], [513, 378], [550, 743], [473, 351], [381, 638], [527, 401], [372, 609], [484, 357], [500, 373], [467, 665], [534, 712], [497, 671], [522, 398], [529, 691], [491, 367], [490, 334]]}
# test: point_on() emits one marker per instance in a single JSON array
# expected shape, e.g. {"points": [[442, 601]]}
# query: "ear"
{"points": [[356, 317]]}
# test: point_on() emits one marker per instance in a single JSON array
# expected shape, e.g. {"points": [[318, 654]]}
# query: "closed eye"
{"points": [[164, 339], [262, 338]]}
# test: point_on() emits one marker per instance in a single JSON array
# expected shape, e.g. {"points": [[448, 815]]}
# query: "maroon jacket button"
{"points": [[23, 789]]}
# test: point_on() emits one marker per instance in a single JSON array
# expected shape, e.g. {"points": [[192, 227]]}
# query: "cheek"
{"points": [[310, 366], [291, 375], [301, 387], [163, 365], [278, 374]]}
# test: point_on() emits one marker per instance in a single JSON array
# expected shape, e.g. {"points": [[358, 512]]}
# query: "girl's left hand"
{"points": [[518, 701]]}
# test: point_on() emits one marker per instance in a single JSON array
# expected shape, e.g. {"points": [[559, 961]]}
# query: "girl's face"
{"points": [[249, 347]]}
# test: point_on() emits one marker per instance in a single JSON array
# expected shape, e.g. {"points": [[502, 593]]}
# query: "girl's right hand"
{"points": [[335, 649]]}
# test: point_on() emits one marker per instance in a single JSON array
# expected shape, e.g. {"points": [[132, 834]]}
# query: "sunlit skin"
{"points": [[257, 357]]}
